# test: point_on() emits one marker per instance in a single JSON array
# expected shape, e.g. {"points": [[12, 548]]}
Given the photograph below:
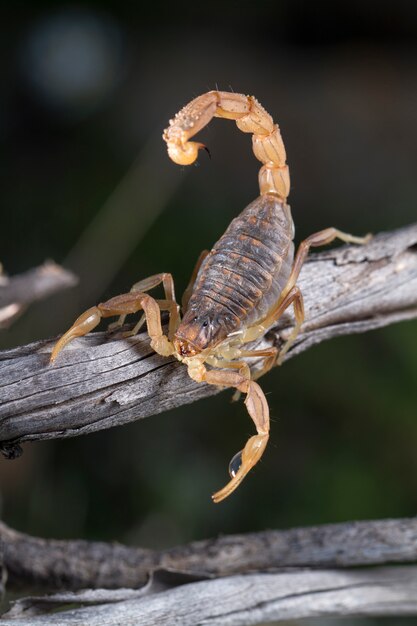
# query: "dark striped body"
{"points": [[243, 275]]}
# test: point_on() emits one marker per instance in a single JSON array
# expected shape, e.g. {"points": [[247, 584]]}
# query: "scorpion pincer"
{"points": [[239, 288]]}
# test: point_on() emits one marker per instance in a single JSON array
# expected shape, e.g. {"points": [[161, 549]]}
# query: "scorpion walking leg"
{"points": [[291, 294], [322, 238], [257, 407], [270, 355], [146, 285], [294, 297], [123, 305]]}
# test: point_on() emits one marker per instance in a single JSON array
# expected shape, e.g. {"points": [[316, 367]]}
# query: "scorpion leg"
{"points": [[189, 289], [257, 407], [146, 285], [123, 305], [294, 297], [322, 238], [291, 294], [269, 354]]}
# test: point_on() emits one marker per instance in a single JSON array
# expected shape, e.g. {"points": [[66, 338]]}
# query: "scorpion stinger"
{"points": [[239, 288]]}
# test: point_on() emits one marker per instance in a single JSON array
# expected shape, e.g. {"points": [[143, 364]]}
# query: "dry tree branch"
{"points": [[101, 380], [235, 580], [53, 565], [234, 601]]}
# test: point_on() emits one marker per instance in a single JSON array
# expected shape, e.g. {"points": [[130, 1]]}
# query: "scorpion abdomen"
{"points": [[248, 267]]}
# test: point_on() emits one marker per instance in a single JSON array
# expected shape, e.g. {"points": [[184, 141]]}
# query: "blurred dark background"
{"points": [[87, 89]]}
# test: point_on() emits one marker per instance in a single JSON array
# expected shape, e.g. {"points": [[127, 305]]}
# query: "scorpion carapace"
{"points": [[239, 288]]}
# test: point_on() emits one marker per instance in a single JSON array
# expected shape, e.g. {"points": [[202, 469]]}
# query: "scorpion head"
{"points": [[198, 332]]}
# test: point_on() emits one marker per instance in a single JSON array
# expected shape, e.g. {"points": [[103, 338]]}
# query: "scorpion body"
{"points": [[244, 274], [239, 288]]}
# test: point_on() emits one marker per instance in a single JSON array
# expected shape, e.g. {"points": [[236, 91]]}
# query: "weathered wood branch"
{"points": [[242, 600], [101, 380], [17, 292], [259, 577], [55, 565]]}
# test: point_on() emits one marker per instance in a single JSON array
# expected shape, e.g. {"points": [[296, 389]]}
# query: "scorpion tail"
{"points": [[250, 117]]}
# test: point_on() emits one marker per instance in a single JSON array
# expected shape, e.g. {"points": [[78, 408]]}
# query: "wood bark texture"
{"points": [[246, 600], [103, 380], [53, 565], [231, 581]]}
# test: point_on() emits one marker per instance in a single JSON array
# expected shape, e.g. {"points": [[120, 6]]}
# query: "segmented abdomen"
{"points": [[250, 264]]}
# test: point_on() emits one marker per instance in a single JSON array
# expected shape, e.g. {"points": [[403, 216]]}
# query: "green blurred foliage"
{"points": [[340, 80]]}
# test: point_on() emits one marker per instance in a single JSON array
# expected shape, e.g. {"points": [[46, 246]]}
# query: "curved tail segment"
{"points": [[250, 117]]}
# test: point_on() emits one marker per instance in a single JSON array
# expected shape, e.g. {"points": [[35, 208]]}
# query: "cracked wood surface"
{"points": [[51, 564], [260, 577], [103, 380], [246, 600]]}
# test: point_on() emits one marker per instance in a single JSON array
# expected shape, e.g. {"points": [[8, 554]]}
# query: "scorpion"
{"points": [[239, 288]]}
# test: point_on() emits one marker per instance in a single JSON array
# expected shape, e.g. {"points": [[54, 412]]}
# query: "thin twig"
{"points": [[17, 292]]}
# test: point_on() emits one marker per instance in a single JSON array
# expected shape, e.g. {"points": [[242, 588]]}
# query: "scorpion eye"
{"points": [[205, 324], [235, 463]]}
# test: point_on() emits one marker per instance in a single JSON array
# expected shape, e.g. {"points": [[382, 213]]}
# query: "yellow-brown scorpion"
{"points": [[239, 288]]}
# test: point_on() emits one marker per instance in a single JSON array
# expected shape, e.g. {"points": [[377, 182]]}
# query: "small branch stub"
{"points": [[17, 292]]}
